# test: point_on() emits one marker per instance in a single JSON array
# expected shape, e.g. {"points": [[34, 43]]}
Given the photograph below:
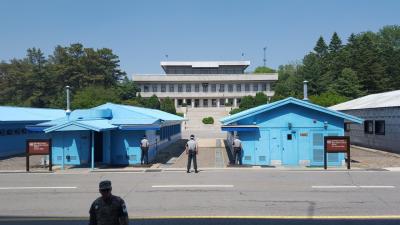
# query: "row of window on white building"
{"points": [[205, 87]]}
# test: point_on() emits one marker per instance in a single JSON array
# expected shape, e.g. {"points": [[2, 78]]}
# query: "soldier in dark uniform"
{"points": [[108, 209]]}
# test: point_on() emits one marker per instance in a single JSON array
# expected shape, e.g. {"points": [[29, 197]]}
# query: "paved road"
{"points": [[230, 192], [203, 221]]}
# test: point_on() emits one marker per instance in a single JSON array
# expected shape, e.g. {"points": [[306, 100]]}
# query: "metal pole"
{"points": [[68, 100], [92, 144]]}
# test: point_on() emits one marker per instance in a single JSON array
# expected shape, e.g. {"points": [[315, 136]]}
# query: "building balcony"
{"points": [[194, 95]]}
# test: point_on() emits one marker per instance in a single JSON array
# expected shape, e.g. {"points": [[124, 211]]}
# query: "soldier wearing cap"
{"points": [[144, 146], [192, 150], [237, 150], [108, 209]]}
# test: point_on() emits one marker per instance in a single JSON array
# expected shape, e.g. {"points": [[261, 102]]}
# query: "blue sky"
{"points": [[141, 33]]}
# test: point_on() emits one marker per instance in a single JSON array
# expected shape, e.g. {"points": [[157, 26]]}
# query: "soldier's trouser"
{"points": [[192, 156], [238, 155], [145, 155]]}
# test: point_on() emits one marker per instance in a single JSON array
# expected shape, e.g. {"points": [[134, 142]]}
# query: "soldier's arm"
{"points": [[92, 219], [123, 217]]}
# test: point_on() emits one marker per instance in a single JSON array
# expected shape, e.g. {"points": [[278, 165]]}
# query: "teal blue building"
{"points": [[287, 132], [109, 134], [13, 121]]}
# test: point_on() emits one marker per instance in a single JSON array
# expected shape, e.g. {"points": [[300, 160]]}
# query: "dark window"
{"points": [[188, 87], [347, 127], [289, 136], [255, 87], [369, 127], [180, 87], [9, 132], [238, 87], [163, 88], [171, 88], [154, 86], [17, 131], [2, 132], [264, 87], [205, 87], [230, 87], [247, 87], [145, 88], [380, 127], [222, 88], [213, 87], [196, 87], [23, 131]]}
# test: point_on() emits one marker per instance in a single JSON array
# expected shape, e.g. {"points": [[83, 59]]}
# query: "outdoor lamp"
{"points": [[325, 125]]}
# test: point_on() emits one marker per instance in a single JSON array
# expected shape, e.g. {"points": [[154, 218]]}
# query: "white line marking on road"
{"points": [[351, 186], [25, 188], [193, 186]]}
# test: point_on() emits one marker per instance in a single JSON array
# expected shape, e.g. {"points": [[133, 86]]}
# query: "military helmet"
{"points": [[105, 185]]}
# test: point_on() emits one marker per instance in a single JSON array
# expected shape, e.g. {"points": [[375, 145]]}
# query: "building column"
{"points": [[92, 166], [218, 105], [226, 100], [192, 103], [235, 102], [176, 102], [184, 100]]}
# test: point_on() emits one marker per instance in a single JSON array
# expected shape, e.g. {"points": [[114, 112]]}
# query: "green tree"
{"points": [[93, 96], [247, 102], [152, 102], [328, 99], [321, 49], [168, 105], [347, 84], [336, 44], [260, 99], [264, 69]]}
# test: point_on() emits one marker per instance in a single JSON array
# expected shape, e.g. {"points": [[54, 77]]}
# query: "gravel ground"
{"points": [[373, 159], [19, 163]]}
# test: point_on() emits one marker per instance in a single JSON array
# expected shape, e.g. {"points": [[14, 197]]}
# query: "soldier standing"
{"points": [[144, 146], [108, 209], [237, 150], [192, 150]]}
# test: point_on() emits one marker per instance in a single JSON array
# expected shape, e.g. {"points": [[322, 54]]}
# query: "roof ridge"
{"points": [[122, 107]]}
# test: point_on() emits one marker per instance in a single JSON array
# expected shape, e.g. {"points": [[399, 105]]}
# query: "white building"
{"points": [[381, 114], [205, 83]]}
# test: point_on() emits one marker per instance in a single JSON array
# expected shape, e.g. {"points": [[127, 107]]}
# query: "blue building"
{"points": [[287, 132], [109, 134], [13, 121]]}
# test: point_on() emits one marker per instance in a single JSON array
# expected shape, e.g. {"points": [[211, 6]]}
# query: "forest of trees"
{"points": [[368, 63]]}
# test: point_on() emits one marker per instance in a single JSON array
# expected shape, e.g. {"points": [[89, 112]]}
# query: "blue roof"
{"points": [[110, 116], [266, 107], [21, 114], [134, 112], [96, 125]]}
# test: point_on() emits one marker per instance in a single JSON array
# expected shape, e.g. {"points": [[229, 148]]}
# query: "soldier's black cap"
{"points": [[105, 185], [192, 136]]}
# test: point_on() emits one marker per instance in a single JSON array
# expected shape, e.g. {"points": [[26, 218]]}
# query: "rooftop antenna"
{"points": [[265, 59]]}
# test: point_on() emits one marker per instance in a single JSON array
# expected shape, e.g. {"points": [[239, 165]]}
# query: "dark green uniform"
{"points": [[108, 212]]}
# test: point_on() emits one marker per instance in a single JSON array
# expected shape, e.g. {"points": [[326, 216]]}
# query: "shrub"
{"points": [[180, 114], [233, 111], [208, 120]]}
